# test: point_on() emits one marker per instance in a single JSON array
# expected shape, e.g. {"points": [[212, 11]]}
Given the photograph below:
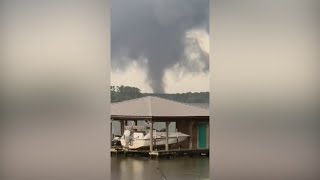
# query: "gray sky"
{"points": [[160, 46]]}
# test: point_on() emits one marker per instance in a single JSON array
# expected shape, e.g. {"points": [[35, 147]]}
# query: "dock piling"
{"points": [[151, 136], [167, 135]]}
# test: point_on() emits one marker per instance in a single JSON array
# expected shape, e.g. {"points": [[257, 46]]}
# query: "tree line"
{"points": [[121, 93]]}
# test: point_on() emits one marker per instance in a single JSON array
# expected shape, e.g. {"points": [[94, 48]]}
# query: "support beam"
{"points": [[136, 122], [191, 134], [122, 127], [111, 133], [167, 135], [151, 136]]}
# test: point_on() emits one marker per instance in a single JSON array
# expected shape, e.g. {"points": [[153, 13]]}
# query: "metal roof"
{"points": [[152, 106]]}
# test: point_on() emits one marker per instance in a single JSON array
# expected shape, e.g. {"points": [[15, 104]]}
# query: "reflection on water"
{"points": [[144, 168]]}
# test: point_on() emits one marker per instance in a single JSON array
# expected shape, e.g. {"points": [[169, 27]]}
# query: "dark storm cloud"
{"points": [[155, 30]]}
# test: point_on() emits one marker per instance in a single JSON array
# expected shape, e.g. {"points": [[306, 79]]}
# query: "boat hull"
{"points": [[145, 142]]}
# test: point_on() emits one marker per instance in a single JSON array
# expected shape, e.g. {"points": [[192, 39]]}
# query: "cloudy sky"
{"points": [[160, 46]]}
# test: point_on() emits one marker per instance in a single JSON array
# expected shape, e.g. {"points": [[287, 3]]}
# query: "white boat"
{"points": [[136, 137]]}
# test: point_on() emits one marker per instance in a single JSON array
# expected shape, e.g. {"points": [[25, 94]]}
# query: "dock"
{"points": [[179, 152], [116, 151], [161, 153]]}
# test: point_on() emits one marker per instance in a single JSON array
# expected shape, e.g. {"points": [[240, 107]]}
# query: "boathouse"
{"points": [[189, 119]]}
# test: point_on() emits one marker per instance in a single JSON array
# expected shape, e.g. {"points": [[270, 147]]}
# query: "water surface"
{"points": [[144, 168]]}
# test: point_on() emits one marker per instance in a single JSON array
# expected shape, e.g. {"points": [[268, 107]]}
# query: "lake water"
{"points": [[144, 168]]}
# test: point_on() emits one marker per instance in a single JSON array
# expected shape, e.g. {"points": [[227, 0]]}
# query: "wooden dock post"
{"points": [[151, 136], [111, 133], [122, 127], [167, 135], [190, 131]]}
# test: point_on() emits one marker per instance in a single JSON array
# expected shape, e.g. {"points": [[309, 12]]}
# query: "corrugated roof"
{"points": [[152, 106]]}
